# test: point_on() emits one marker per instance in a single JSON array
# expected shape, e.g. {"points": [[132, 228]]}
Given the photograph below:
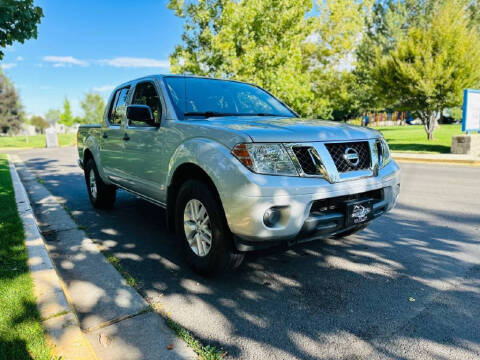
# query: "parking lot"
{"points": [[407, 287]]}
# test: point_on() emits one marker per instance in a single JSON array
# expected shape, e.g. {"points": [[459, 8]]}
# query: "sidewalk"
{"points": [[92, 313], [59, 321], [451, 159]]}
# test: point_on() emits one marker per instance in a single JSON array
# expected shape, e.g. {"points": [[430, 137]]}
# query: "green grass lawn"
{"points": [[21, 334], [413, 138], [36, 141]]}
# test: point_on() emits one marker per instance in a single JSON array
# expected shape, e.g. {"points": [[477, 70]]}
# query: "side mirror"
{"points": [[141, 113]]}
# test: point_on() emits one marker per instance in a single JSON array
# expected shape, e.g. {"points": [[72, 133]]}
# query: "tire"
{"points": [[350, 231], [102, 196], [206, 259]]}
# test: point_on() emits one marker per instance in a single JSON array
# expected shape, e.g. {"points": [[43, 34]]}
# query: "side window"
{"points": [[146, 94], [119, 107], [111, 108]]}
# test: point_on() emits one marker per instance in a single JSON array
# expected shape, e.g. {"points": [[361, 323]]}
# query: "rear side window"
{"points": [[117, 108], [146, 94]]}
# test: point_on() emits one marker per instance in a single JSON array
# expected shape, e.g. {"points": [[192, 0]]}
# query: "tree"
{"points": [[18, 21], [456, 113], [388, 22], [276, 44], [11, 111], [53, 116], [93, 107], [66, 116], [40, 123], [255, 41], [330, 56], [428, 69]]}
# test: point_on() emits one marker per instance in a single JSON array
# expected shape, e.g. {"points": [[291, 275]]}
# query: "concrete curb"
{"points": [[117, 322], [63, 331], [414, 158]]}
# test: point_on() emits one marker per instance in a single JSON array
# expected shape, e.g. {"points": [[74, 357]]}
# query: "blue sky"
{"points": [[90, 45]]}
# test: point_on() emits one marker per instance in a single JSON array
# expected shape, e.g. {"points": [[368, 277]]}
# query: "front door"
{"points": [[144, 148]]}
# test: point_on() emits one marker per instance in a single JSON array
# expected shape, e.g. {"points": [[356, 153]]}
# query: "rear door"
{"points": [[112, 143]]}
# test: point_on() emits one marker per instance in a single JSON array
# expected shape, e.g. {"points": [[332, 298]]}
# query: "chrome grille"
{"points": [[305, 159], [338, 150]]}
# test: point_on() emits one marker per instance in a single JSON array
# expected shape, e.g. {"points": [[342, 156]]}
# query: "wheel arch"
{"points": [[91, 150], [87, 155], [184, 172]]}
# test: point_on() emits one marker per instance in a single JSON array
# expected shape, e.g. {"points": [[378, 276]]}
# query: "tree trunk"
{"points": [[429, 120]]}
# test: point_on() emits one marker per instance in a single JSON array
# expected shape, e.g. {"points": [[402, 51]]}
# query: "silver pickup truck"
{"points": [[235, 168]]}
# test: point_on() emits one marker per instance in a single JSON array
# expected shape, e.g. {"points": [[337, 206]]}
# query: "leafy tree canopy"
{"points": [[39, 122], [386, 24], [53, 116], [276, 44], [428, 69], [18, 21], [93, 107]]}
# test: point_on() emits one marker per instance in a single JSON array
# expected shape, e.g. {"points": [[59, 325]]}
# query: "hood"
{"points": [[261, 129]]}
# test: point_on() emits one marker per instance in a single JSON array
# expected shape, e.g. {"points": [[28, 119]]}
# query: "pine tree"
{"points": [[66, 118]]}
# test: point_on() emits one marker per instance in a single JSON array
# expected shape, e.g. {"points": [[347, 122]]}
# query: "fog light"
{"points": [[271, 217]]}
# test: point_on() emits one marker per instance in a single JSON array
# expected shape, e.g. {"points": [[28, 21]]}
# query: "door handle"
{"points": [[126, 137], [105, 135]]}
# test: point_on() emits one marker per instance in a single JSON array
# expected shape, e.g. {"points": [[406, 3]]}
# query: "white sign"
{"points": [[471, 110]]}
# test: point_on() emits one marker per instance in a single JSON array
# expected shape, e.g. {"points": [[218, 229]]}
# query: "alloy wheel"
{"points": [[93, 184], [197, 227]]}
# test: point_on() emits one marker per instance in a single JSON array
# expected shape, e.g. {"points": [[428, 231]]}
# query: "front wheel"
{"points": [[102, 196], [202, 230]]}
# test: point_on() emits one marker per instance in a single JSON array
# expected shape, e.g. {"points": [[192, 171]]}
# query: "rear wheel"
{"points": [[203, 231], [102, 196], [350, 231]]}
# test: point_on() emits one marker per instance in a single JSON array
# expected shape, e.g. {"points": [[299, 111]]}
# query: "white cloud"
{"points": [[135, 62], [7, 66], [19, 58], [61, 61], [104, 88]]}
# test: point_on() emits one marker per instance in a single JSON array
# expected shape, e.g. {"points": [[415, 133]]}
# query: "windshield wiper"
{"points": [[208, 114]]}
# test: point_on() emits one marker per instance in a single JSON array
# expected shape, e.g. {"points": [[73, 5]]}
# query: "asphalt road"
{"points": [[407, 287]]}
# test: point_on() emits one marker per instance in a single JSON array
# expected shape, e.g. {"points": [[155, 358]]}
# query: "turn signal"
{"points": [[241, 153]]}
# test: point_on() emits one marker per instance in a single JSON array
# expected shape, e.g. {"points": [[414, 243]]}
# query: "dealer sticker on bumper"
{"points": [[358, 212]]}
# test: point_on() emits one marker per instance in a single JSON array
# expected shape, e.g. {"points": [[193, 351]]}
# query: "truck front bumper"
{"points": [[305, 213]]}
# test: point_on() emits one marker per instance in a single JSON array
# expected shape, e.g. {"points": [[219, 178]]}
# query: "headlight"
{"points": [[269, 159], [384, 156]]}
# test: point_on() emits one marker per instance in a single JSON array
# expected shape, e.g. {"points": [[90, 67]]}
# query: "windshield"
{"points": [[202, 98]]}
